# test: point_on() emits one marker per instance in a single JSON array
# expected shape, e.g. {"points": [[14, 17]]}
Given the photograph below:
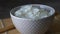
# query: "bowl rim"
{"points": [[53, 10]]}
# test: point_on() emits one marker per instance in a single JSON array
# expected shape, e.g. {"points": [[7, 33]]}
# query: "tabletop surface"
{"points": [[55, 28]]}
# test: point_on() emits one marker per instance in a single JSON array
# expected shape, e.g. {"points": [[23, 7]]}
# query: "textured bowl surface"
{"points": [[27, 26]]}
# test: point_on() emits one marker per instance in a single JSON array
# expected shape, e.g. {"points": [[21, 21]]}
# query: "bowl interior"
{"points": [[48, 8]]}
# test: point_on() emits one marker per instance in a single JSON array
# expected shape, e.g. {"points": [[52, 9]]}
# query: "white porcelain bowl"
{"points": [[28, 26]]}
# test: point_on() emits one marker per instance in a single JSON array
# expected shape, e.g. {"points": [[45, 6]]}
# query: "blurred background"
{"points": [[7, 5]]}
